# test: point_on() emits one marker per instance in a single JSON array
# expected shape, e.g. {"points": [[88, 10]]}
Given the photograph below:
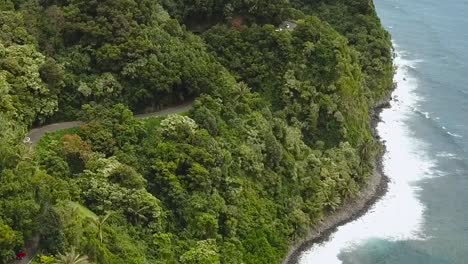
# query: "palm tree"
{"points": [[72, 257], [243, 89], [99, 222]]}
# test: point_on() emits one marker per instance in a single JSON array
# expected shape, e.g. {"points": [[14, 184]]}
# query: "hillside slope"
{"points": [[279, 134]]}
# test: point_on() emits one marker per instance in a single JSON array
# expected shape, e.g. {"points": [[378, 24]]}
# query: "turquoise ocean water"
{"points": [[423, 219]]}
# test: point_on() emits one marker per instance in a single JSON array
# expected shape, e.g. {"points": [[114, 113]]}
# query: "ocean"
{"points": [[423, 219]]}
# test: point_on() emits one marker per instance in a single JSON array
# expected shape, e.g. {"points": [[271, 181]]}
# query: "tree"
{"points": [[127, 177], [99, 223], [204, 252], [9, 239], [177, 127], [274, 151], [20, 77], [76, 152]]}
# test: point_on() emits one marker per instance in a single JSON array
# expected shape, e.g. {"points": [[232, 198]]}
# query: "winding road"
{"points": [[37, 133]]}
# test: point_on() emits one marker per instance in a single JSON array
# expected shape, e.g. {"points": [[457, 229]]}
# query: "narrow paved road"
{"points": [[37, 133]]}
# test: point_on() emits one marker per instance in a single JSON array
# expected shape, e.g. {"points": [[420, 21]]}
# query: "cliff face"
{"points": [[278, 137]]}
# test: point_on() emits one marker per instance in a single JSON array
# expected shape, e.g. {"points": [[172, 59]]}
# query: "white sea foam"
{"points": [[454, 135], [399, 215], [446, 155]]}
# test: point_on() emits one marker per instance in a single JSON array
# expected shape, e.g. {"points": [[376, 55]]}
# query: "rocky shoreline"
{"points": [[353, 209]]}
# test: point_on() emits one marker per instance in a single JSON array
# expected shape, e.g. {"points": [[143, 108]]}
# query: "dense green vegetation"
{"points": [[279, 135]]}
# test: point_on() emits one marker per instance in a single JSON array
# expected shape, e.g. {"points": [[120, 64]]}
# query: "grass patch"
{"points": [[83, 211]]}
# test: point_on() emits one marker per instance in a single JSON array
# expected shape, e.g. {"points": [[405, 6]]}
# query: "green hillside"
{"points": [[279, 134]]}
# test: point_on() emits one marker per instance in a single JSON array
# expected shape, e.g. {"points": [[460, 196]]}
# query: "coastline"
{"points": [[375, 189]]}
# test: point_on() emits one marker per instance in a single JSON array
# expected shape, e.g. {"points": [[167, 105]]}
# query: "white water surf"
{"points": [[399, 214]]}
